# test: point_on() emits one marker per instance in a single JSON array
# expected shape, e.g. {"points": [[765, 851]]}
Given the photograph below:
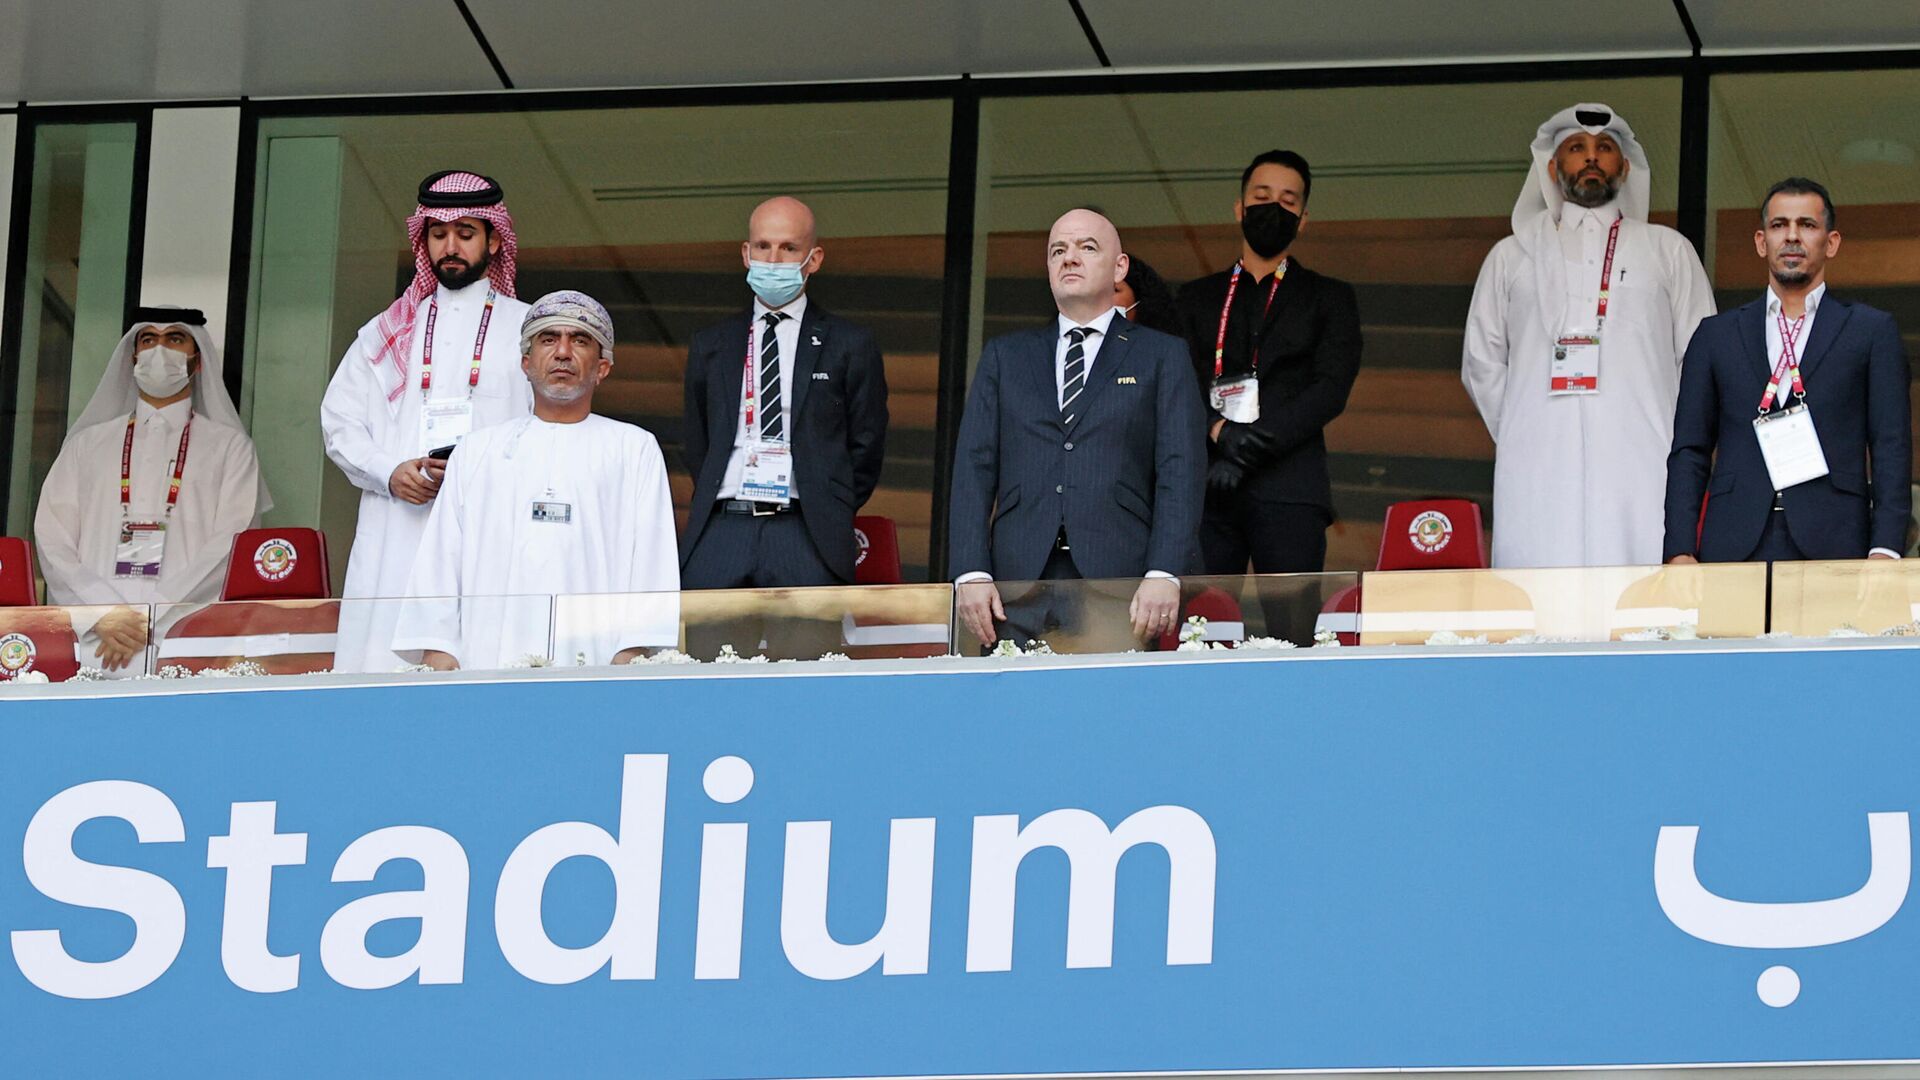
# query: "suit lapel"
{"points": [[1828, 322], [1284, 298], [1037, 371], [806, 358], [1753, 337], [1110, 360], [732, 361]]}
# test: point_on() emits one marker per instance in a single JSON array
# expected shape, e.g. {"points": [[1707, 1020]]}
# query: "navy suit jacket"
{"points": [[1126, 480], [1855, 371], [837, 421]]}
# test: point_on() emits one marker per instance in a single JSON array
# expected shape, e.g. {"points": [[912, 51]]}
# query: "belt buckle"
{"points": [[771, 509]]}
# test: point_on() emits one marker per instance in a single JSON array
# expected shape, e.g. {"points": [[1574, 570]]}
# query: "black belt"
{"points": [[756, 509]]}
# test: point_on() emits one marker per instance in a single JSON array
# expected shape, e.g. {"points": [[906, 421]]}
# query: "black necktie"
{"points": [[1076, 374], [772, 425]]}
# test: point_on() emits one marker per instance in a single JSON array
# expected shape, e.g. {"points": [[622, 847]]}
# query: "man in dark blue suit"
{"points": [[786, 423], [1822, 381], [1081, 452]]}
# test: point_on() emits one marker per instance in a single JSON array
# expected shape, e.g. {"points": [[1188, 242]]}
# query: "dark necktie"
{"points": [[772, 424], [1076, 373]]}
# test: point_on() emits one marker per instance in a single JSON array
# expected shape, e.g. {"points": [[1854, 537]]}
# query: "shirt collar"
{"points": [[472, 294], [175, 414], [1571, 213], [1813, 299], [796, 309], [1098, 324]]}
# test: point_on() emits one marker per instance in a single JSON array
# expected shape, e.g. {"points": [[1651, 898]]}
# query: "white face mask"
{"points": [[160, 371]]}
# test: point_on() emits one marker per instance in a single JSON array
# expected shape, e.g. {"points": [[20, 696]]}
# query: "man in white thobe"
{"points": [[148, 491], [438, 363], [561, 507], [1577, 382]]}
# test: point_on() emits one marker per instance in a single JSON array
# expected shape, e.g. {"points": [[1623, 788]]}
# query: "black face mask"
{"points": [[1269, 228]]}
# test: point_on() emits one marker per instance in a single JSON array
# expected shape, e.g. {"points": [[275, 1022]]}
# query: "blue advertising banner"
{"points": [[1041, 867]]}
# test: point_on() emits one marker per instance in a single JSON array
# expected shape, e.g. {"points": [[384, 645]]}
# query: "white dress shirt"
{"points": [[1096, 333], [787, 333]]}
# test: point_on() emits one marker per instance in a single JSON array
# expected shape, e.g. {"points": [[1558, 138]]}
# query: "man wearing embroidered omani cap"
{"points": [[439, 362], [1573, 348], [562, 503]]}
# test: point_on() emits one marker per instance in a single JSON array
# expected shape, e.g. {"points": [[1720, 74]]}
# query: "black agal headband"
{"points": [[169, 316], [491, 195]]}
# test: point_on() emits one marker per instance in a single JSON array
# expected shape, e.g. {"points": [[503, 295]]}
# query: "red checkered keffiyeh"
{"points": [[396, 323]]}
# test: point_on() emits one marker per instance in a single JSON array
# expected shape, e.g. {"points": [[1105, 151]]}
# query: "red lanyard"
{"points": [[747, 374], [1606, 271], [1220, 339], [479, 343], [1789, 360], [179, 464]]}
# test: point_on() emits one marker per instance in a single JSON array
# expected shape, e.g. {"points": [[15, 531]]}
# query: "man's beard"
{"points": [[565, 395], [463, 276], [1582, 189]]}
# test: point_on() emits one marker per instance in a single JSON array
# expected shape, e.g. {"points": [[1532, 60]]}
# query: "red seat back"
{"points": [[278, 564], [16, 573], [37, 639], [876, 559], [1433, 534]]}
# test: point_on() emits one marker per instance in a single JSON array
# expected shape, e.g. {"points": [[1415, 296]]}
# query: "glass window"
{"points": [[645, 209], [1413, 186], [75, 292]]}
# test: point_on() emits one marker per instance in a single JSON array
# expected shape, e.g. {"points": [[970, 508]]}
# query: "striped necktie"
{"points": [[1075, 379], [772, 423]]}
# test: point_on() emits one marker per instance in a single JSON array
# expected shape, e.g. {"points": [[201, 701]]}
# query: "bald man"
{"points": [[1081, 455], [786, 422]]}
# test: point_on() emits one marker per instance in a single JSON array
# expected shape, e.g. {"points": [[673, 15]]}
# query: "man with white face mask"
{"points": [[786, 423], [156, 477]]}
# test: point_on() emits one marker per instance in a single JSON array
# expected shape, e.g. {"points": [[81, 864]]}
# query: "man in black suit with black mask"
{"points": [[1276, 347]]}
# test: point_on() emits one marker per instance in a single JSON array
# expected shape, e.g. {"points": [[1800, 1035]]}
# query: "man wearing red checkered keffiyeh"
{"points": [[443, 359]]}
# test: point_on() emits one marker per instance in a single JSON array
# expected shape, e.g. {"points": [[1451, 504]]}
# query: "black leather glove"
{"points": [[1223, 476], [1245, 445]]}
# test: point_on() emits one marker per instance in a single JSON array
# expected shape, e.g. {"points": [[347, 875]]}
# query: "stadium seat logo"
{"points": [[16, 654], [861, 543], [1430, 532], [274, 559]]}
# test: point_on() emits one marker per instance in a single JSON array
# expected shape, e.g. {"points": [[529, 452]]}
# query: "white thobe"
{"points": [[525, 584], [1580, 480], [77, 525], [368, 436]]}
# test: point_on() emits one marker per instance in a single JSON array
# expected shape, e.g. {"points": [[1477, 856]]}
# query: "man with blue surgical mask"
{"points": [[786, 422], [150, 486]]}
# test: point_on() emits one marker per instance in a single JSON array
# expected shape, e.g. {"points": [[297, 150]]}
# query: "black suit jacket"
{"points": [[1125, 480], [1855, 371], [1309, 356], [837, 419]]}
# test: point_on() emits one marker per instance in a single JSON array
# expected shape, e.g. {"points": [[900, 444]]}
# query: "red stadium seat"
{"points": [[277, 613], [37, 639], [278, 564], [1433, 534], [1424, 534], [16, 573], [1222, 612], [876, 559]]}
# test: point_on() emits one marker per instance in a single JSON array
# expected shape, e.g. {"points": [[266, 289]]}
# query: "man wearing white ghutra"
{"points": [[1573, 346]]}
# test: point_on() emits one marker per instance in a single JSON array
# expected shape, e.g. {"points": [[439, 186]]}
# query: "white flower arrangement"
{"points": [[1263, 644], [1007, 649], [729, 655], [531, 660], [1448, 637], [1326, 639], [1905, 629], [29, 678], [89, 674], [1847, 630], [831, 656], [1685, 631], [1540, 639], [1193, 636], [664, 656], [410, 669]]}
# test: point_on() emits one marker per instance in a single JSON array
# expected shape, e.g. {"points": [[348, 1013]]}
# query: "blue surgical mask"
{"points": [[777, 283]]}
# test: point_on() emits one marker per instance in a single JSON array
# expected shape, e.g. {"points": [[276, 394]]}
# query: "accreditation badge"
{"points": [[1236, 399], [1790, 446], [142, 545], [444, 423], [1576, 366], [768, 475]]}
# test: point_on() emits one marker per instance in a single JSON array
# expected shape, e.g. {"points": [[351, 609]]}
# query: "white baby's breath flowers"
{"points": [[730, 655], [29, 678], [1270, 644], [531, 660], [409, 669], [1448, 637], [834, 656], [1326, 639], [664, 656]]}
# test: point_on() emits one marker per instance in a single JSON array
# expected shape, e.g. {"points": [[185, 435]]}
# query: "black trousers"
{"points": [[739, 551], [1277, 538]]}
